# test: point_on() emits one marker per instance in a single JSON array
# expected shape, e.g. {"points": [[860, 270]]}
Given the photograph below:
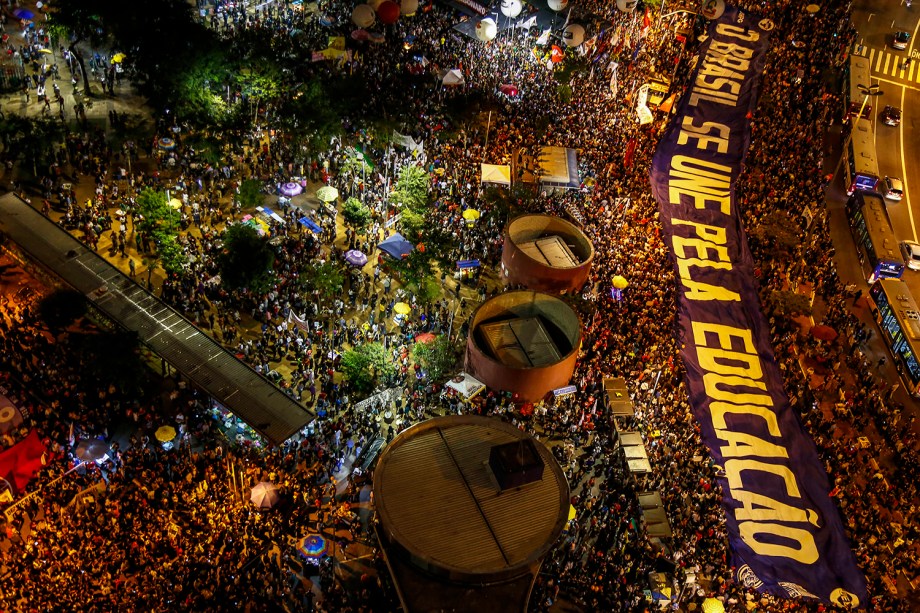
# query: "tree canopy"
{"points": [[246, 259]]}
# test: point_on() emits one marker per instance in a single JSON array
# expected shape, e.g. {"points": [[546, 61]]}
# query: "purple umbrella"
{"points": [[355, 258], [23, 14], [291, 189]]}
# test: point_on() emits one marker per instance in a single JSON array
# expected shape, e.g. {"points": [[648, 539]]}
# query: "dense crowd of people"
{"points": [[166, 530]]}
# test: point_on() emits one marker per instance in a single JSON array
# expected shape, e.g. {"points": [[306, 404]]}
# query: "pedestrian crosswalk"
{"points": [[893, 64]]}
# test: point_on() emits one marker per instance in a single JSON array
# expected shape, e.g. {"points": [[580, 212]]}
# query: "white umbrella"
{"points": [[265, 495]]}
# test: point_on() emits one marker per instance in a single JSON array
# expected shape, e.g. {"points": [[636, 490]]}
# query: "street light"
{"points": [[867, 91]]}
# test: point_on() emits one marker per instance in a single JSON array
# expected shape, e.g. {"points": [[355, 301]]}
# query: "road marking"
{"points": [[887, 61], [878, 61], [898, 83], [910, 72], [910, 211]]}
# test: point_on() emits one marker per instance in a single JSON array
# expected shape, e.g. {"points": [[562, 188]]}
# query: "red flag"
{"points": [[19, 463], [646, 20], [557, 54]]}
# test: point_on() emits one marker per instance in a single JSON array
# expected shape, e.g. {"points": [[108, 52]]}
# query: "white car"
{"points": [[892, 188], [911, 252]]}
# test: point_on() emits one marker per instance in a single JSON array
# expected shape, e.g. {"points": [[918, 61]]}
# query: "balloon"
{"points": [[573, 35], [627, 6], [363, 16], [388, 12], [558, 5], [374, 4], [486, 29], [511, 8], [408, 7]]}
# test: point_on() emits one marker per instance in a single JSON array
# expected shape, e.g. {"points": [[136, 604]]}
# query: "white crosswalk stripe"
{"points": [[893, 64]]}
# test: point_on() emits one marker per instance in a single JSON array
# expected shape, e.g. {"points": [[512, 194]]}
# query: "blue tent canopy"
{"points": [[309, 223], [396, 246]]}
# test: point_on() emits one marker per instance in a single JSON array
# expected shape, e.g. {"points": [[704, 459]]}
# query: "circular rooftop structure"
{"points": [[523, 342], [546, 253], [469, 499]]}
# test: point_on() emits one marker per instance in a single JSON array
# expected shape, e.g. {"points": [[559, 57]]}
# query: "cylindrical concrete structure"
{"points": [[546, 253], [523, 342], [453, 536]]}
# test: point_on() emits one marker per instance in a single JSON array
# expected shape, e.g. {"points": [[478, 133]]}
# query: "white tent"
{"points": [[453, 77], [466, 385], [494, 173]]}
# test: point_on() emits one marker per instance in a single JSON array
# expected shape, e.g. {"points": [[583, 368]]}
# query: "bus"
{"points": [[857, 73], [860, 167], [898, 318], [876, 243]]}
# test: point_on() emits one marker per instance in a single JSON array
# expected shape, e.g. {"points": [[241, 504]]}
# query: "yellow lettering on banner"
{"points": [[734, 87], [697, 95], [734, 468], [703, 291], [703, 181], [741, 445], [768, 509], [806, 553], [720, 71], [720, 50], [711, 382], [714, 360], [702, 248], [716, 234], [740, 33], [718, 410], [724, 334], [702, 134]]}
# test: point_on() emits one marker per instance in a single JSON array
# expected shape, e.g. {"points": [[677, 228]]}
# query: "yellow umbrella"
{"points": [[165, 434], [175, 203], [327, 193], [471, 214], [572, 512], [48, 51], [620, 282], [713, 605], [118, 58], [402, 308]]}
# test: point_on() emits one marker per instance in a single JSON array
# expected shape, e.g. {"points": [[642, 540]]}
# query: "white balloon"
{"points": [[374, 4], [627, 6], [558, 5], [573, 35], [486, 29], [408, 7], [363, 16], [511, 8]]}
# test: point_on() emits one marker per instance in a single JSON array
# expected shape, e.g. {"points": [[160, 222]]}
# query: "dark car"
{"points": [[890, 116], [900, 40]]}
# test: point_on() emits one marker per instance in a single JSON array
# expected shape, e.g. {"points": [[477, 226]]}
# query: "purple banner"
{"points": [[785, 532]]}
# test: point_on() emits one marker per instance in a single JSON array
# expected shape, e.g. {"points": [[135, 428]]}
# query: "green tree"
{"points": [[158, 218], [61, 308], [366, 365], [779, 235], [251, 193], [171, 254], [437, 358], [246, 260], [356, 214], [412, 188], [326, 278], [258, 85], [31, 139]]}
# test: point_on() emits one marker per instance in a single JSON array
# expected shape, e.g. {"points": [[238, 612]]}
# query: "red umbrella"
{"points": [[824, 333], [509, 89], [425, 337], [360, 35]]}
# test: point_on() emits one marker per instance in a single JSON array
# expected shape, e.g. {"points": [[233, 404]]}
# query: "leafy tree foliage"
{"points": [[366, 365], [246, 259], [356, 214], [31, 139], [251, 193], [326, 278], [437, 358], [159, 219]]}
